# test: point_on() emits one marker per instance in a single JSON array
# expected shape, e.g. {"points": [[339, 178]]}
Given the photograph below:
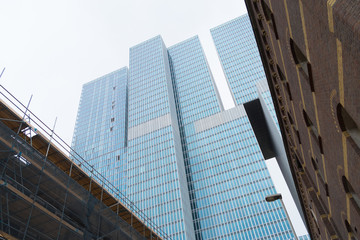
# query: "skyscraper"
{"points": [[239, 57], [197, 170], [156, 172], [241, 62], [100, 134]]}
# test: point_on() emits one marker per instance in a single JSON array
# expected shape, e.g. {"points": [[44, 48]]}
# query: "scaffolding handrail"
{"points": [[38, 124]]}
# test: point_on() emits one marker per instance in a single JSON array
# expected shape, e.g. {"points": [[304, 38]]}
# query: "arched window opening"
{"points": [[350, 230], [310, 124], [301, 60], [317, 170], [315, 166], [315, 220], [350, 190], [281, 75], [269, 16], [347, 124], [320, 175], [298, 163], [313, 130], [297, 135], [288, 91], [347, 225]]}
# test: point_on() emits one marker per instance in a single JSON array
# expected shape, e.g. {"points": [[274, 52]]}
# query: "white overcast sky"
{"points": [[51, 48]]}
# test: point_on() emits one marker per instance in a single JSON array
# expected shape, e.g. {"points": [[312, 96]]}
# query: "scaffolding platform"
{"points": [[44, 194]]}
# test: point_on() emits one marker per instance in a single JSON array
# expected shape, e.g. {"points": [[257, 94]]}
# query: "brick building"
{"points": [[311, 55]]}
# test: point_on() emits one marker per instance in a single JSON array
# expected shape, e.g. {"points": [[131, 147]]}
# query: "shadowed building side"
{"points": [[311, 56]]}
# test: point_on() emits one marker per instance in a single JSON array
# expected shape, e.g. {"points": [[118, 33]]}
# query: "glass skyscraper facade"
{"points": [[195, 169], [236, 46], [100, 134], [156, 171]]}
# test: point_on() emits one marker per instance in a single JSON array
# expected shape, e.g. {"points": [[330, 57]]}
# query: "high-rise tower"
{"points": [[240, 59], [196, 169], [100, 134]]}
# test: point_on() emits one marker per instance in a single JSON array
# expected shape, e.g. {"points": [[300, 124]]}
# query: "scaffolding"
{"points": [[44, 194]]}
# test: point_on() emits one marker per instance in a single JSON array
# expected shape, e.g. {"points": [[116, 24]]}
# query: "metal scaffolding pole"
{"points": [[38, 185], [14, 141], [2, 72], [1, 217], [64, 205], [27, 107], [8, 213]]}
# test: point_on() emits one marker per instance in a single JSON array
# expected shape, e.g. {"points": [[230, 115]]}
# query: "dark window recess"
{"points": [[302, 62], [261, 130], [112, 119], [298, 163], [347, 225], [118, 157], [320, 145], [355, 199], [315, 166], [348, 124], [310, 125], [350, 230], [111, 129], [288, 90], [269, 16], [320, 175], [114, 88], [308, 122], [267, 10], [327, 189], [298, 136], [281, 75], [313, 130]]}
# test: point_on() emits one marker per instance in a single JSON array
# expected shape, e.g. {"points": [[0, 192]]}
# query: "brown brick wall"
{"points": [[328, 35]]}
